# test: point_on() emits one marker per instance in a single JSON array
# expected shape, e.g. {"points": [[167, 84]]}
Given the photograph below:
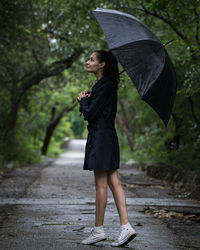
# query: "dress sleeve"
{"points": [[91, 108], [86, 99]]}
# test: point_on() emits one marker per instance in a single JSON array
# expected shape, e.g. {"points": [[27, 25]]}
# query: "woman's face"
{"points": [[93, 64]]}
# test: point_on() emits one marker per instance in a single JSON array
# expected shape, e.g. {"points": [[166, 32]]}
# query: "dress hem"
{"points": [[91, 169]]}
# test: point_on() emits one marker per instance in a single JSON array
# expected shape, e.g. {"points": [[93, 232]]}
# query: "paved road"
{"points": [[54, 208]]}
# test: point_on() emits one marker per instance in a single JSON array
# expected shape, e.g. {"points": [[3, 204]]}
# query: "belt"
{"points": [[101, 125]]}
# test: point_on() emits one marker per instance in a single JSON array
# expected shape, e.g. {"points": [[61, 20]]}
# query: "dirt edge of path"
{"points": [[186, 183]]}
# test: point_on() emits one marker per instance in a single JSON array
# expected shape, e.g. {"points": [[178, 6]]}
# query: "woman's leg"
{"points": [[101, 183], [119, 196]]}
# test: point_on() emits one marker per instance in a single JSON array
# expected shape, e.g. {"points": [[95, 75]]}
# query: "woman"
{"points": [[102, 149]]}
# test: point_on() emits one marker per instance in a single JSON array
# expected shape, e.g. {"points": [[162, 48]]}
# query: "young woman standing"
{"points": [[102, 149]]}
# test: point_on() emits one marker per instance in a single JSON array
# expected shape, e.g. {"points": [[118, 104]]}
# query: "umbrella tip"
{"points": [[168, 42]]}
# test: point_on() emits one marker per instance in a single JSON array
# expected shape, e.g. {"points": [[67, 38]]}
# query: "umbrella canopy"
{"points": [[142, 56]]}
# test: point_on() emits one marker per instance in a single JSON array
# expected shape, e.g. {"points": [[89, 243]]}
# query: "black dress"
{"points": [[102, 147]]}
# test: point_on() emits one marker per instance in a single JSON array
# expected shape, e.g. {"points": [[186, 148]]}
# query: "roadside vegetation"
{"points": [[43, 48]]}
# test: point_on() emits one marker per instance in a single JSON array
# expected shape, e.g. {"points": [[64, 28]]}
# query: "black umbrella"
{"points": [[142, 56]]}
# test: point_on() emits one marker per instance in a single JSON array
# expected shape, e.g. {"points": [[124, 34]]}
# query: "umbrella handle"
{"points": [[168, 42], [121, 72]]}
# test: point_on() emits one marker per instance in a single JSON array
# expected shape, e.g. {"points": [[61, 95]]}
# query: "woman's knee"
{"points": [[101, 181], [113, 181], [101, 188]]}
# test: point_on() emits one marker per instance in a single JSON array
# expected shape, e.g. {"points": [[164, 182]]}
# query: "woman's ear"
{"points": [[102, 65]]}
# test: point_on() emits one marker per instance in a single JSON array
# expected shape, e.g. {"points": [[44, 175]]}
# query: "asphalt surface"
{"points": [[52, 206]]}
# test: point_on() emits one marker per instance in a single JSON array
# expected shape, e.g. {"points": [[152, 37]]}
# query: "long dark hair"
{"points": [[111, 68]]}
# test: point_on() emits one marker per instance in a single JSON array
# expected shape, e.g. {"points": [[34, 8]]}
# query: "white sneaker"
{"points": [[127, 233], [97, 234]]}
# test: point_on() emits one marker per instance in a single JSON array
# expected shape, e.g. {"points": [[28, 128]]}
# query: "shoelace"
{"points": [[92, 232], [121, 232]]}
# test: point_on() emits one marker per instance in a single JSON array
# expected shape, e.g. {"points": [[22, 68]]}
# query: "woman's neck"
{"points": [[98, 75]]}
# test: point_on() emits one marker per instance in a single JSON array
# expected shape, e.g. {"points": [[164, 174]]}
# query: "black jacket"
{"points": [[102, 147]]}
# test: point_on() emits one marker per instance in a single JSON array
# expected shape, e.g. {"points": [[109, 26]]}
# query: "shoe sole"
{"points": [[94, 242], [127, 241]]}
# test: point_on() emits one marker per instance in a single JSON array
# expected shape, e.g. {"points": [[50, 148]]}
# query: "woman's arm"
{"points": [[92, 109]]}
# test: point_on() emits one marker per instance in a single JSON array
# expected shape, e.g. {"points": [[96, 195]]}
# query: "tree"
{"points": [[178, 20], [39, 40]]}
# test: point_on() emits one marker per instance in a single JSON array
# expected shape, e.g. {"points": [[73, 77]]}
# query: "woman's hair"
{"points": [[111, 66]]}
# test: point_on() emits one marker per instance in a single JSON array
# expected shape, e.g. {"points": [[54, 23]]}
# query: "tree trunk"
{"points": [[193, 111], [31, 79], [12, 118], [126, 131], [124, 125], [49, 132], [54, 121], [174, 144]]}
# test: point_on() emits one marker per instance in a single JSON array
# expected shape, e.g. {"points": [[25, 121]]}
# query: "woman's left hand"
{"points": [[82, 94]]}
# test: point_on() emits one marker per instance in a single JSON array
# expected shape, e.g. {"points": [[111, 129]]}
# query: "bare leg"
{"points": [[119, 196], [101, 182]]}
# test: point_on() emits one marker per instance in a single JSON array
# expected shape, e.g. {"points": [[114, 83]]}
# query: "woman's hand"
{"points": [[83, 94]]}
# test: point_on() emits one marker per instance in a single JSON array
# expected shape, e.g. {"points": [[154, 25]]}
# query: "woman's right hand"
{"points": [[83, 94]]}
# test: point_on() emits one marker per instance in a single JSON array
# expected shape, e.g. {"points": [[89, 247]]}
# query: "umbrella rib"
{"points": [[168, 42]]}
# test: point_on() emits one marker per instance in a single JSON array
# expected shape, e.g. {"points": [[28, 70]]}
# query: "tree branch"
{"points": [[197, 16], [35, 56], [33, 78], [56, 119], [164, 19], [74, 104]]}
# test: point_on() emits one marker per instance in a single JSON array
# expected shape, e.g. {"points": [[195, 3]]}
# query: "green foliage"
{"points": [[191, 84], [35, 34], [54, 149], [20, 149], [178, 144]]}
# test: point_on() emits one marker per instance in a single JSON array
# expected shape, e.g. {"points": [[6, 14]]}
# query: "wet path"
{"points": [[56, 210]]}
